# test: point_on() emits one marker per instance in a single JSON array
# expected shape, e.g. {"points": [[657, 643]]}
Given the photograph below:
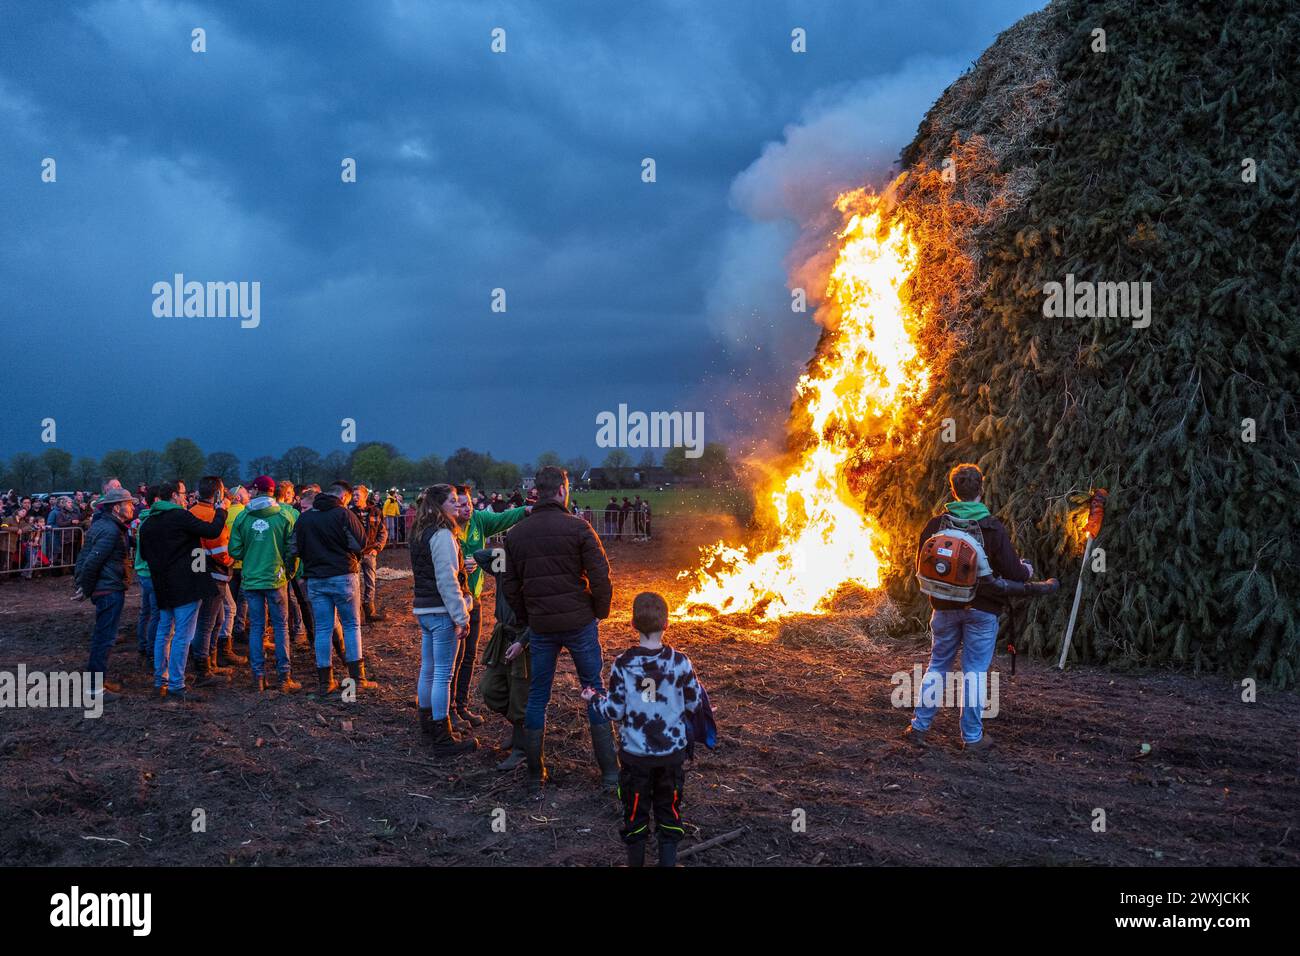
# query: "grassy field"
{"points": [[677, 501]]}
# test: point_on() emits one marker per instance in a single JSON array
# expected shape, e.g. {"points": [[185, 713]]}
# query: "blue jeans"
{"points": [[170, 653], [147, 624], [228, 608], [438, 645], [341, 593], [211, 612], [108, 610], [975, 634], [583, 646], [240, 621], [262, 602]]}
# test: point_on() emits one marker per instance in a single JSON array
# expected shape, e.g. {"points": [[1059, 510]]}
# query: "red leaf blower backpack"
{"points": [[947, 566]]}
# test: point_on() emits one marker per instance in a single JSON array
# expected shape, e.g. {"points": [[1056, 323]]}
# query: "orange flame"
{"points": [[868, 375]]}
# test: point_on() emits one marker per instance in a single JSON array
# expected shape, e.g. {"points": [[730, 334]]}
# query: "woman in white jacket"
{"points": [[442, 606]]}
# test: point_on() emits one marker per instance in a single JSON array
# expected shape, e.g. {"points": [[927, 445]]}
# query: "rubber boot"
{"points": [[325, 682], [447, 744], [516, 755], [667, 852], [426, 721], [602, 745], [534, 754], [229, 654], [636, 854], [357, 671]]}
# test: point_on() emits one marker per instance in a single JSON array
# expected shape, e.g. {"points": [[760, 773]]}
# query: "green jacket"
{"points": [[483, 525], [141, 568], [260, 538]]}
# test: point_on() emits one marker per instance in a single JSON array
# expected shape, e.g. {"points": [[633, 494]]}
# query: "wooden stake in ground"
{"points": [[1096, 511]]}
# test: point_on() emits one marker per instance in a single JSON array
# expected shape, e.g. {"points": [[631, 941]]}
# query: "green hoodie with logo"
{"points": [[260, 538]]}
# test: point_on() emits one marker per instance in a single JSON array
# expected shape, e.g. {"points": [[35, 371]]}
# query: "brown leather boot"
{"points": [[447, 744], [288, 685], [231, 656], [215, 668], [325, 682], [203, 675], [357, 671]]}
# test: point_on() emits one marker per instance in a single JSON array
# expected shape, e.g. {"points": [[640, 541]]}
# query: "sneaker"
{"points": [[984, 743]]}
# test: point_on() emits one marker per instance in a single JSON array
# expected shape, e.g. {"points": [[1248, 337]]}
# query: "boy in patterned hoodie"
{"points": [[653, 694]]}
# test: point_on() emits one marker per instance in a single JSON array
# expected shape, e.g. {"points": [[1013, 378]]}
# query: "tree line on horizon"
{"points": [[377, 464]]}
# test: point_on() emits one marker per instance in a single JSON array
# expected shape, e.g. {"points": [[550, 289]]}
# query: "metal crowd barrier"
{"points": [[28, 550]]}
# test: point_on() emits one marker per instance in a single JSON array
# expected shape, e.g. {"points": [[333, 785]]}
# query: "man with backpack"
{"points": [[966, 564]]}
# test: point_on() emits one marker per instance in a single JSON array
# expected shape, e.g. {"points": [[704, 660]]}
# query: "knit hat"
{"points": [[264, 484]]}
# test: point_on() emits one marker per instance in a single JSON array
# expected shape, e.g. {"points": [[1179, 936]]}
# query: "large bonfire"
{"points": [[1047, 159], [867, 377]]}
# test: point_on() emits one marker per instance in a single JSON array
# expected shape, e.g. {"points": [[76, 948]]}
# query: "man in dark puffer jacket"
{"points": [[557, 583]]}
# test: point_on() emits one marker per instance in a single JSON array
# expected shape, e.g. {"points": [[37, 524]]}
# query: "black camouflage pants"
{"points": [[644, 789]]}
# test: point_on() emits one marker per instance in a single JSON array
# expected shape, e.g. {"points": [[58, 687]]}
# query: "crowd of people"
{"points": [[215, 569], [43, 534], [40, 533], [242, 578]]}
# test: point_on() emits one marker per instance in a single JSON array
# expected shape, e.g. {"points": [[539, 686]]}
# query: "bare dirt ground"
{"points": [[805, 724]]}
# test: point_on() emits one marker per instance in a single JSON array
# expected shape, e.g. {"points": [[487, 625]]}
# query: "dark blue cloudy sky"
{"points": [[475, 171]]}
